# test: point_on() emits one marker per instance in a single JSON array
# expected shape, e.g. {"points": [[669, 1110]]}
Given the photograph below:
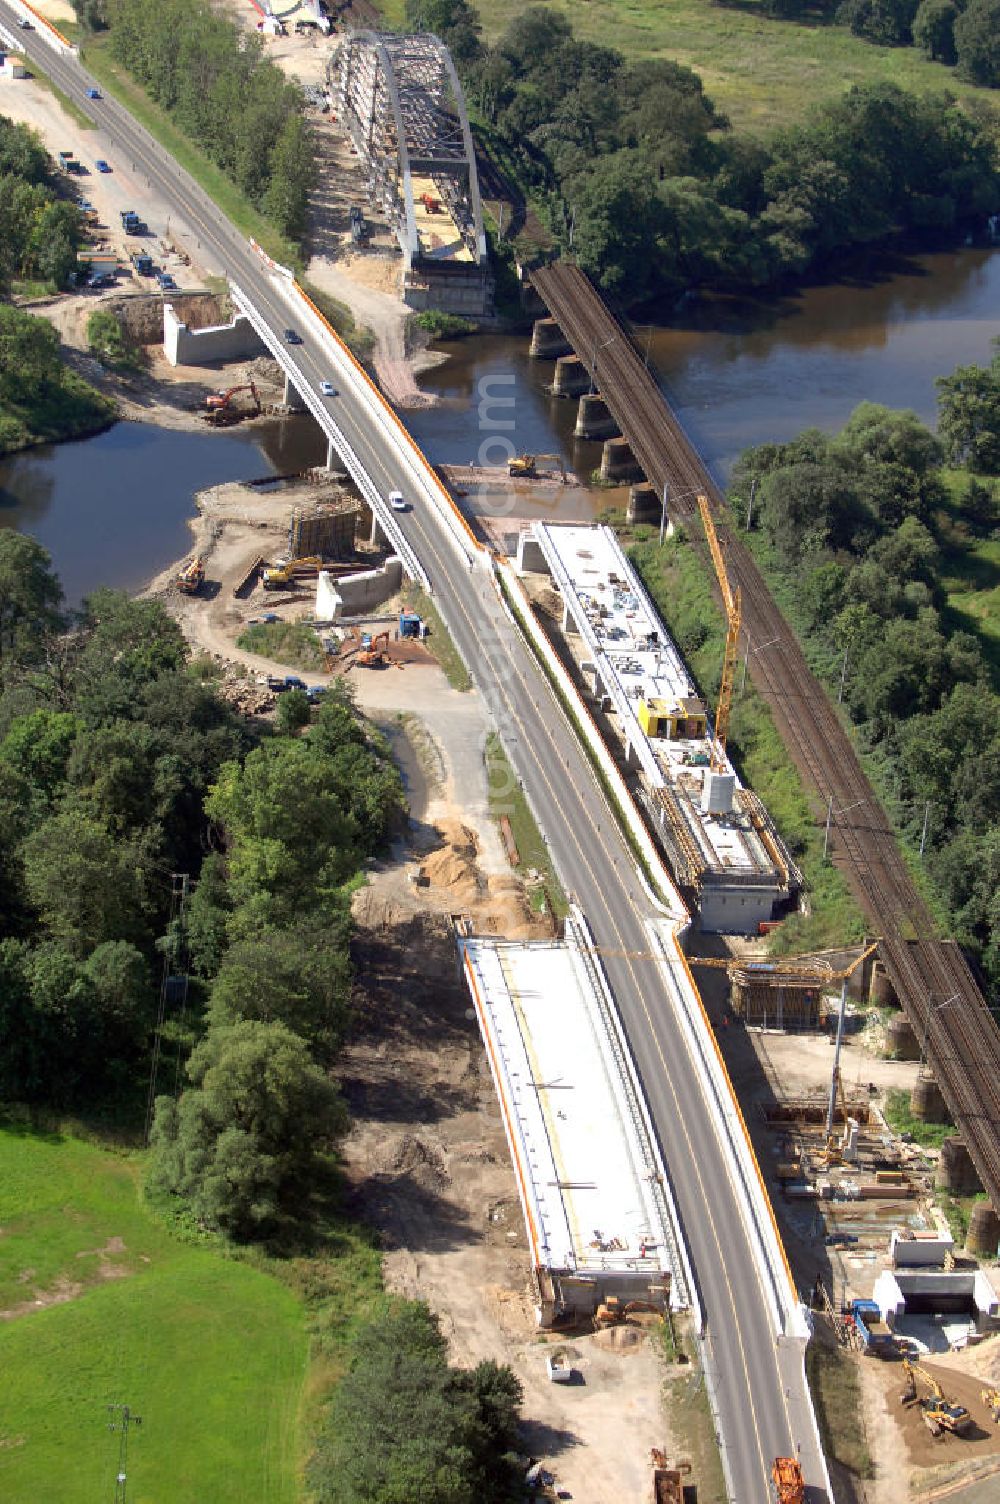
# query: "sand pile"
{"points": [[453, 864]]}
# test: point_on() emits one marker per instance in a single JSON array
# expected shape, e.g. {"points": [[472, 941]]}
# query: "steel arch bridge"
{"points": [[403, 105]]}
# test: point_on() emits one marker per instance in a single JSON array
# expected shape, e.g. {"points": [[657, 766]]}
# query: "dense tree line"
{"points": [[860, 525], [40, 233], [213, 79], [640, 175], [406, 1428], [964, 34]]}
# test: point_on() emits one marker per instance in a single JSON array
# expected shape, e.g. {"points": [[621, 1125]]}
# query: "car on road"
{"points": [[291, 338], [327, 389], [396, 502], [24, 23], [93, 93], [101, 165]]}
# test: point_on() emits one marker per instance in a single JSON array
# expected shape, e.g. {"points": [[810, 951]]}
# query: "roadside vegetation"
{"points": [[108, 340], [629, 163], [836, 1390], [291, 642], [439, 640], [214, 81], [859, 533], [902, 1120], [41, 399], [507, 799]]}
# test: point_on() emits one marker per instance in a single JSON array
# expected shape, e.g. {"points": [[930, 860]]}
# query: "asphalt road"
{"points": [[755, 1379]]}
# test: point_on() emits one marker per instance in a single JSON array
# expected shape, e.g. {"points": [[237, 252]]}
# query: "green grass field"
{"points": [[210, 1352], [762, 73]]}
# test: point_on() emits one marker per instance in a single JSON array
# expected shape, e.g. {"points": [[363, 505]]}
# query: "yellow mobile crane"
{"points": [[732, 604]]}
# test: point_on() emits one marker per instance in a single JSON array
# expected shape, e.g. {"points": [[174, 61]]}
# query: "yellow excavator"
{"points": [[525, 466], [990, 1397], [286, 574], [940, 1413]]}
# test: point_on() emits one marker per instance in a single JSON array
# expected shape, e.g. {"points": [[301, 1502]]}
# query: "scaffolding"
{"points": [[403, 105]]}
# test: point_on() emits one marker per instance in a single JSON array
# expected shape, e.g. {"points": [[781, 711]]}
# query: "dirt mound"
{"points": [[453, 864], [421, 1161]]}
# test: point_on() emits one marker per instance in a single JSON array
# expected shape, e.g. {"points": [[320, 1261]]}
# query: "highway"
{"points": [[754, 1377]]}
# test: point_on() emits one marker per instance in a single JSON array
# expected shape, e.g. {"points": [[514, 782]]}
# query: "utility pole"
{"points": [[663, 511], [753, 492], [923, 833], [122, 1418], [835, 1076]]}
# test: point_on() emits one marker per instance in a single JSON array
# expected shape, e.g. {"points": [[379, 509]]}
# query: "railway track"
{"points": [[931, 977]]}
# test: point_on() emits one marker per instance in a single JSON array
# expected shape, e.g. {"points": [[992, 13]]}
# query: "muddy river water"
{"points": [[112, 509]]}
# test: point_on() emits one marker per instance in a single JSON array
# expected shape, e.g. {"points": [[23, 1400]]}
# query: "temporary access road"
{"points": [[754, 1376]]}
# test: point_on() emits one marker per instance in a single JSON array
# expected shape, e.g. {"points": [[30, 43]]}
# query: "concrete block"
{"points": [[548, 341], [618, 462], [571, 378], [593, 420]]}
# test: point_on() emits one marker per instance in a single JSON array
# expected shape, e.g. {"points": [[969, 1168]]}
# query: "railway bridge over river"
{"points": [[930, 977]]}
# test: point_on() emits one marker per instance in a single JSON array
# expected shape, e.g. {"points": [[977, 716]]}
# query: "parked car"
{"points": [[291, 338], [292, 681], [101, 165], [327, 389], [396, 501], [166, 281], [93, 93]]}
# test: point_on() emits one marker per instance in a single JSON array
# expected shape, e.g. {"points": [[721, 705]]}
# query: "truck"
{"points": [[67, 162], [876, 1337], [131, 223], [142, 261]]}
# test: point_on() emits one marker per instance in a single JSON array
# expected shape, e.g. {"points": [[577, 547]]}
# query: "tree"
{"points": [[969, 415], [404, 1428], [87, 885], [294, 711], [292, 170], [38, 747], [977, 43], [300, 977], [887, 22], [934, 30], [245, 1146], [30, 597]]}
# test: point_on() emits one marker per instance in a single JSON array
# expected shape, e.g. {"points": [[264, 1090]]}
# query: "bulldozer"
{"points": [[525, 466], [789, 1484], [940, 1414], [190, 579], [283, 575]]}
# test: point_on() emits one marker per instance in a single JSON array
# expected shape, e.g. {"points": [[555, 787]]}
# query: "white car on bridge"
{"points": [[397, 502]]}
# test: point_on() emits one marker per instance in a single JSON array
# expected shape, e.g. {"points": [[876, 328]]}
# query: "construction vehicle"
{"points": [[990, 1397], [524, 466], [875, 1336], [614, 1311], [371, 656], [219, 409], [789, 1484], [191, 578], [667, 1485], [732, 603], [283, 575], [940, 1414]]}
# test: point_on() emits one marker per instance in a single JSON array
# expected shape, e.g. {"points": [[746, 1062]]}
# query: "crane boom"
{"points": [[732, 604]]}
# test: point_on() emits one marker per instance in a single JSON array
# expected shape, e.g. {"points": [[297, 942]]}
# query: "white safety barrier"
{"points": [[362, 479], [45, 29]]}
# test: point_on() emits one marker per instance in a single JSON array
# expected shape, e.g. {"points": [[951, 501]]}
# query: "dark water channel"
{"points": [[113, 509]]}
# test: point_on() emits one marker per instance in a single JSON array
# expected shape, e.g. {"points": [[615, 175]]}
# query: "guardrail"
{"points": [[44, 27], [345, 449]]}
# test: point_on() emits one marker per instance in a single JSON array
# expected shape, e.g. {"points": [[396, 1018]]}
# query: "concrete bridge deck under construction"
{"points": [[962, 1038]]}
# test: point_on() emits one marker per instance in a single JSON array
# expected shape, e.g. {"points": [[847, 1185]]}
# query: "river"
{"points": [[113, 509]]}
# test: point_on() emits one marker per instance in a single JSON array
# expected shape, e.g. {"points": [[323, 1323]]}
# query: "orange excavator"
{"points": [[789, 1484], [219, 410], [371, 656]]}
